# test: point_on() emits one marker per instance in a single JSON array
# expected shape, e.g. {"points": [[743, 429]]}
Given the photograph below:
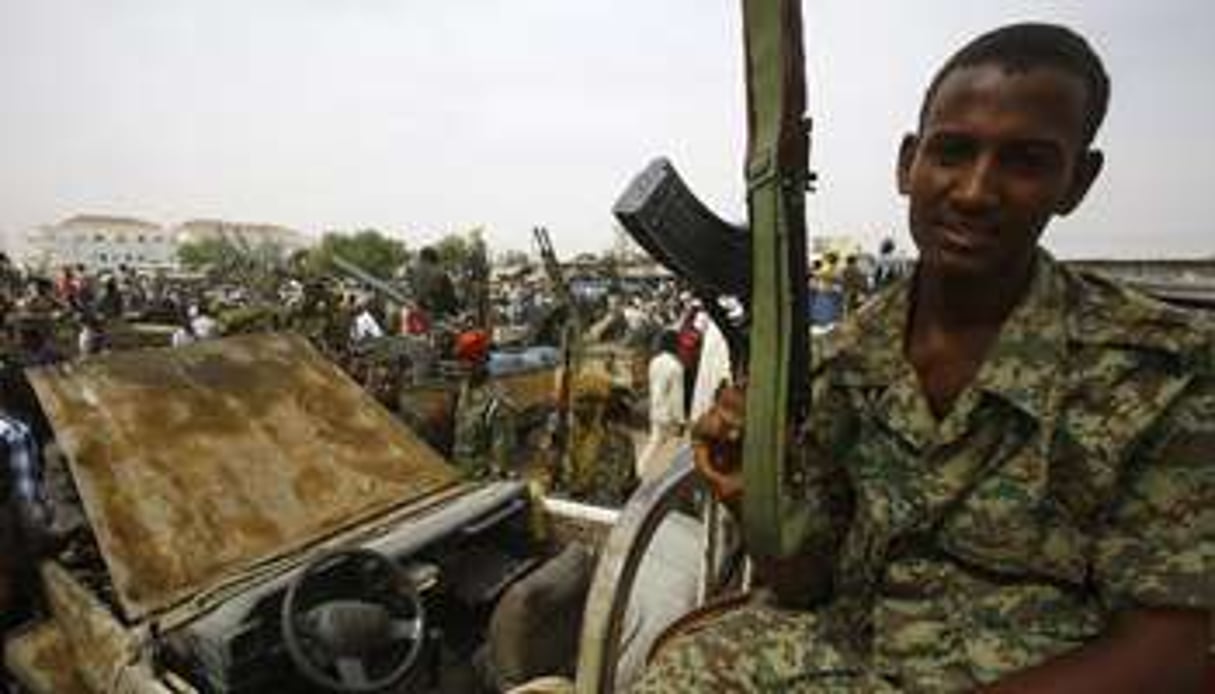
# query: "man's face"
{"points": [[998, 154]]}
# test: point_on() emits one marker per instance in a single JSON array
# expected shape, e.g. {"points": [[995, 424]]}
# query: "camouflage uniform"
{"points": [[599, 467], [484, 436], [1075, 477]]}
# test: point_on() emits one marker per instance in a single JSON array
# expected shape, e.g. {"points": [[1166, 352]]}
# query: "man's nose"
{"points": [[977, 187]]}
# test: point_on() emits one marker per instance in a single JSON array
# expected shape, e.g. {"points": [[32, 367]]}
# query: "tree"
{"points": [[371, 250], [462, 253], [205, 253], [232, 260], [453, 250]]}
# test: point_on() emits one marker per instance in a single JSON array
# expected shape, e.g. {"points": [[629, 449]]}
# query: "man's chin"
{"points": [[955, 264]]}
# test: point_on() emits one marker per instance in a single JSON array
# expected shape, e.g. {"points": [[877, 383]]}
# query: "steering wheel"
{"points": [[353, 622]]}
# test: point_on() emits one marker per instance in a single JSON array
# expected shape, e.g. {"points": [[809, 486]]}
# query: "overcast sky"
{"points": [[420, 118]]}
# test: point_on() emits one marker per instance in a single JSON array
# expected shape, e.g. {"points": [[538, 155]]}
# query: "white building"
{"points": [[102, 242], [242, 234]]}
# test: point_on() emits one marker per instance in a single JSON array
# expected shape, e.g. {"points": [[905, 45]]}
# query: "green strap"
{"points": [[779, 355]]}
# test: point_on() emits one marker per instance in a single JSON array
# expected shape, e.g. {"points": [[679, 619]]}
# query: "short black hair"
{"points": [[1023, 47]]}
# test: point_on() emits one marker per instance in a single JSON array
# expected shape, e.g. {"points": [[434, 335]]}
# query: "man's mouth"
{"points": [[965, 238]]}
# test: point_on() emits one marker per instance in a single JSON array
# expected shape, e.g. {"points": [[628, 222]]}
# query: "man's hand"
{"points": [[1146, 650], [796, 582], [717, 444]]}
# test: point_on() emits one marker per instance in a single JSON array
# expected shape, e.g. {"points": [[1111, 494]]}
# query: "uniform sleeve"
{"points": [[1157, 545]]}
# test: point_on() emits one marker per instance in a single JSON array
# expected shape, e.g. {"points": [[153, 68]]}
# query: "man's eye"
{"points": [[1028, 159], [950, 150]]}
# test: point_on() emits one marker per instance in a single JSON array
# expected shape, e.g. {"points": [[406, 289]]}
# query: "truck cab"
{"points": [[252, 520]]}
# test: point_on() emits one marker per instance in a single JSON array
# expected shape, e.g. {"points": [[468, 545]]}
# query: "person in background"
{"points": [[484, 423], [365, 326], [667, 413], [110, 303], [855, 285], [600, 466], [92, 338], [887, 270], [184, 333], [202, 324], [433, 288]]}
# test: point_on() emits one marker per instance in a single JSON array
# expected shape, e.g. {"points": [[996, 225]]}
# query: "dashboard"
{"points": [[458, 559]]}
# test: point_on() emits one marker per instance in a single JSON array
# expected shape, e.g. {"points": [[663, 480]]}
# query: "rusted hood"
{"points": [[198, 462]]}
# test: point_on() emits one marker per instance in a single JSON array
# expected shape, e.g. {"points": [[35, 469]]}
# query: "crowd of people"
{"points": [[839, 284], [418, 330]]}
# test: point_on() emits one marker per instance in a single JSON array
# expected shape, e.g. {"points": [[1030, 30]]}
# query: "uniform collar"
{"points": [[1020, 369], [1028, 359]]}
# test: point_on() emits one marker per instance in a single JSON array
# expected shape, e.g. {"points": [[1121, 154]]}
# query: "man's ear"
{"points": [[906, 157], [1087, 169]]}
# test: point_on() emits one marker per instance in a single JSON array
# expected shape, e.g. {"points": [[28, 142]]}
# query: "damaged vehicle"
{"points": [[250, 520]]}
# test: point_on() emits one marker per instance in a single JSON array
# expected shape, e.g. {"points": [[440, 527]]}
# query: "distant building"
{"points": [[242, 234], [101, 242]]}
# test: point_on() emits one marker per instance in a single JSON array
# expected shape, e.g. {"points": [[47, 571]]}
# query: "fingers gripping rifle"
{"points": [[666, 219]]}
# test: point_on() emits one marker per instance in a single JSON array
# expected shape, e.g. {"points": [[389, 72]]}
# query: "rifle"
{"points": [[477, 274], [552, 268], [664, 217], [571, 347], [778, 150]]}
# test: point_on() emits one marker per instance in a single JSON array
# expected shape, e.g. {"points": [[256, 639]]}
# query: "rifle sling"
{"points": [[778, 363]]}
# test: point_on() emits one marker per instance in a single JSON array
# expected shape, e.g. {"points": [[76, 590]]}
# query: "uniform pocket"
{"points": [[1012, 525]]}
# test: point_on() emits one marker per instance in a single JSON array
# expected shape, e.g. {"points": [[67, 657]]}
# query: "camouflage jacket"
{"points": [[1074, 477], [601, 462], [484, 435]]}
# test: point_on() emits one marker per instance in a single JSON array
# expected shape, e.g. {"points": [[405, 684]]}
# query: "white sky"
{"points": [[420, 118]]}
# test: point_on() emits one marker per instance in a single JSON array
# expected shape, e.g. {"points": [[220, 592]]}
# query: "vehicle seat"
{"points": [[533, 631]]}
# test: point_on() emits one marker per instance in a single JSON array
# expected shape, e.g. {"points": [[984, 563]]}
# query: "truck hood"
{"points": [[196, 464]]}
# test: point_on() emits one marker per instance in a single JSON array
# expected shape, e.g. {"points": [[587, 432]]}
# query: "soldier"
{"points": [[433, 288], [484, 436], [39, 298], [599, 467], [855, 284], [1010, 476], [10, 288], [316, 318]]}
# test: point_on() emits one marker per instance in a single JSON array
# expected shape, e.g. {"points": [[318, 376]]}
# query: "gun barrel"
{"points": [[355, 272]]}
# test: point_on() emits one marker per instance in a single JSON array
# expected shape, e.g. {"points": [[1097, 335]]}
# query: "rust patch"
{"points": [[195, 462], [312, 486], [42, 661]]}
